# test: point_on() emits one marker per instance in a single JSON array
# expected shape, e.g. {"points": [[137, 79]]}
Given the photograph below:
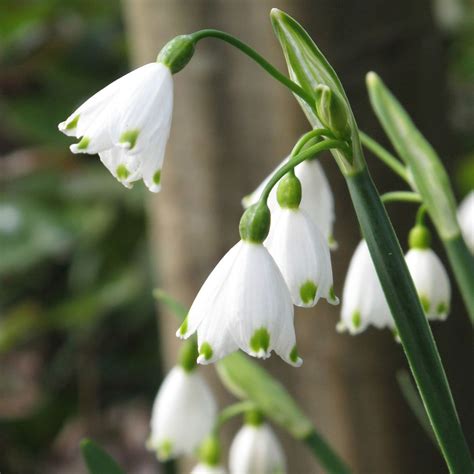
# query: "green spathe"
{"points": [[332, 111], [177, 53], [255, 223], [289, 191], [309, 68]]}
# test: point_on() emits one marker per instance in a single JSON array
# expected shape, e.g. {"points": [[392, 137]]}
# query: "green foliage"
{"points": [[97, 460], [74, 279]]}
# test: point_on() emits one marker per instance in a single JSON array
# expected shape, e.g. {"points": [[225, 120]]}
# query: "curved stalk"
{"points": [[231, 411], [327, 457], [415, 333], [380, 152], [401, 196], [296, 160], [249, 51]]}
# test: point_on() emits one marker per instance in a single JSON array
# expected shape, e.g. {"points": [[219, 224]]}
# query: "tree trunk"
{"points": [[232, 124]]}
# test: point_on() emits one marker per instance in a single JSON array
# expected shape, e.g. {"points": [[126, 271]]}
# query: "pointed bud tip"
{"points": [[372, 79]]}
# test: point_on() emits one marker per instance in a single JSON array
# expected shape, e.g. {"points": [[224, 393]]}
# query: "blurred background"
{"points": [[82, 346]]}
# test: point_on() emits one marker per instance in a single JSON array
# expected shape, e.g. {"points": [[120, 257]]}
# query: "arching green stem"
{"points": [[232, 411], [296, 160], [249, 51], [390, 160], [421, 214], [401, 196], [309, 137]]}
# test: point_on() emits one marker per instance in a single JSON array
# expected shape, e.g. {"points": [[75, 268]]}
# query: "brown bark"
{"points": [[232, 124]]}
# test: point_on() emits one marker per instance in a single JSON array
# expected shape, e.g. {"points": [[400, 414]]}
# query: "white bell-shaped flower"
{"points": [[431, 282], [183, 414], [128, 124], [428, 274], [256, 450], [244, 303], [203, 468], [317, 198], [466, 220], [299, 249], [363, 300]]}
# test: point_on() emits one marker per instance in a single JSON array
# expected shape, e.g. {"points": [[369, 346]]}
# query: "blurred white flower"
{"points": [[256, 450], [128, 124], [244, 303], [302, 254], [203, 468], [317, 199], [431, 282], [363, 300], [10, 219], [183, 414], [466, 219]]}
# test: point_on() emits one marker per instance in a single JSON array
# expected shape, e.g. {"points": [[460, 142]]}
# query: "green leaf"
{"points": [[246, 380], [429, 178], [410, 393], [427, 172], [309, 68], [97, 460], [174, 306]]}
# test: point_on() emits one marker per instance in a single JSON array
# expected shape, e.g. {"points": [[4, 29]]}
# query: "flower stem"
{"points": [[411, 323], [296, 160], [401, 196], [249, 51], [390, 160], [332, 463], [233, 410]]}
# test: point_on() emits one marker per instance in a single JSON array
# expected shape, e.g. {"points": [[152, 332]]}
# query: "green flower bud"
{"points": [[188, 355], [177, 53], [255, 223], [332, 111], [289, 191], [210, 451], [419, 237]]}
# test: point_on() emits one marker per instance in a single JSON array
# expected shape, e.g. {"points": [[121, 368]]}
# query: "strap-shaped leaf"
{"points": [[97, 460], [427, 172], [248, 381]]}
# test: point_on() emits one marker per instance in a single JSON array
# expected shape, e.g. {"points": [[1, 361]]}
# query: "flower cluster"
{"points": [[247, 301], [184, 422], [363, 300]]}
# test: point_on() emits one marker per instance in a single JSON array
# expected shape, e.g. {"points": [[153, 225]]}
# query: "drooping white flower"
{"points": [[183, 414], [302, 254], [256, 450], [431, 282], [128, 124], [244, 303], [317, 199], [466, 220], [203, 468], [363, 300]]}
